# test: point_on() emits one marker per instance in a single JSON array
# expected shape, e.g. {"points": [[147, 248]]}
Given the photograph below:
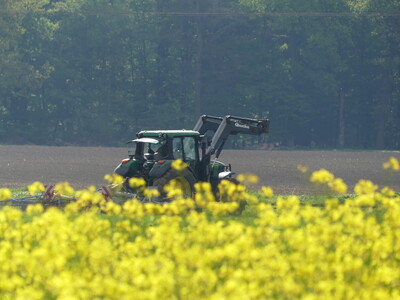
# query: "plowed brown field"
{"points": [[84, 166]]}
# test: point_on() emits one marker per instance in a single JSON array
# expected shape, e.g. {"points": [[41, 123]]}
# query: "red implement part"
{"points": [[49, 193], [106, 193]]}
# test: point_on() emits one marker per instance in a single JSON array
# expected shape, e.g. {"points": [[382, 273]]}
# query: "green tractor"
{"points": [[155, 151]]}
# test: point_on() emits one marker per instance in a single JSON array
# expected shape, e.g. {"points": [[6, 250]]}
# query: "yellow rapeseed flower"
{"points": [[387, 192], [392, 164], [114, 178], [324, 177], [203, 187], [150, 250], [34, 208], [248, 178], [337, 185], [135, 182], [5, 194], [36, 187], [365, 187], [321, 176], [267, 191], [290, 202], [302, 169], [151, 193], [179, 165], [365, 200], [331, 204], [173, 189], [64, 188]]}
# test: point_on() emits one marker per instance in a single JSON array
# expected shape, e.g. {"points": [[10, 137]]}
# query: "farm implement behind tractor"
{"points": [[49, 197]]}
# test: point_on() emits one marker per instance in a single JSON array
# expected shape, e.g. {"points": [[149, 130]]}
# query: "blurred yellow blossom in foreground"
{"points": [[248, 178], [190, 249], [267, 191], [36, 187], [179, 165], [5, 194], [392, 164], [114, 178], [324, 177], [64, 188], [321, 176]]}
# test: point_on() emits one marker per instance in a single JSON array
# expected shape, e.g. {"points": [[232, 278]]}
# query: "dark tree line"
{"points": [[93, 72]]}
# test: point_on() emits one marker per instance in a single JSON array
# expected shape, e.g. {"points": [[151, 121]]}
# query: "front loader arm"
{"points": [[231, 125], [207, 123]]}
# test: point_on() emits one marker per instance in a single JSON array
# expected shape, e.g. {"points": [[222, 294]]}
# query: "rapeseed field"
{"points": [[200, 248]]}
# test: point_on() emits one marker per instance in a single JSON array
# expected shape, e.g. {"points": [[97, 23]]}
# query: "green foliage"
{"points": [[96, 71]]}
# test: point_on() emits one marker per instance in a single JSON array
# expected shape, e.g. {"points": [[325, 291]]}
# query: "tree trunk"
{"points": [[185, 68], [341, 137], [381, 109], [198, 107]]}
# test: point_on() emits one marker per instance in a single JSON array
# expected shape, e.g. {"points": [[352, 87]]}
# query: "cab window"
{"points": [[184, 148], [189, 148], [177, 148]]}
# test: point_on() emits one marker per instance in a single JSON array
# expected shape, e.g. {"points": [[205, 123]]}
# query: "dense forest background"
{"points": [[93, 72]]}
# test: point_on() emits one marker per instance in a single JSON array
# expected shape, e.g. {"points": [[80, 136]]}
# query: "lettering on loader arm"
{"points": [[242, 125]]}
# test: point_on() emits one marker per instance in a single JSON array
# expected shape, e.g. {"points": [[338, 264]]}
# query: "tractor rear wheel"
{"points": [[185, 181]]}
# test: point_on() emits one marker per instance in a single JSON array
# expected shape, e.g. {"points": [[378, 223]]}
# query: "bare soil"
{"points": [[85, 166], [278, 169]]}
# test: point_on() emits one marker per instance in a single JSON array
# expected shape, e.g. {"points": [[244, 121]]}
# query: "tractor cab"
{"points": [[169, 145], [147, 149], [154, 151]]}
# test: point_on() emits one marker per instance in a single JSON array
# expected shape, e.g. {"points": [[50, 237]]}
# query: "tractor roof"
{"points": [[169, 133]]}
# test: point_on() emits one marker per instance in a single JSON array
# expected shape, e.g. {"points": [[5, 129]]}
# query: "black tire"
{"points": [[185, 178]]}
